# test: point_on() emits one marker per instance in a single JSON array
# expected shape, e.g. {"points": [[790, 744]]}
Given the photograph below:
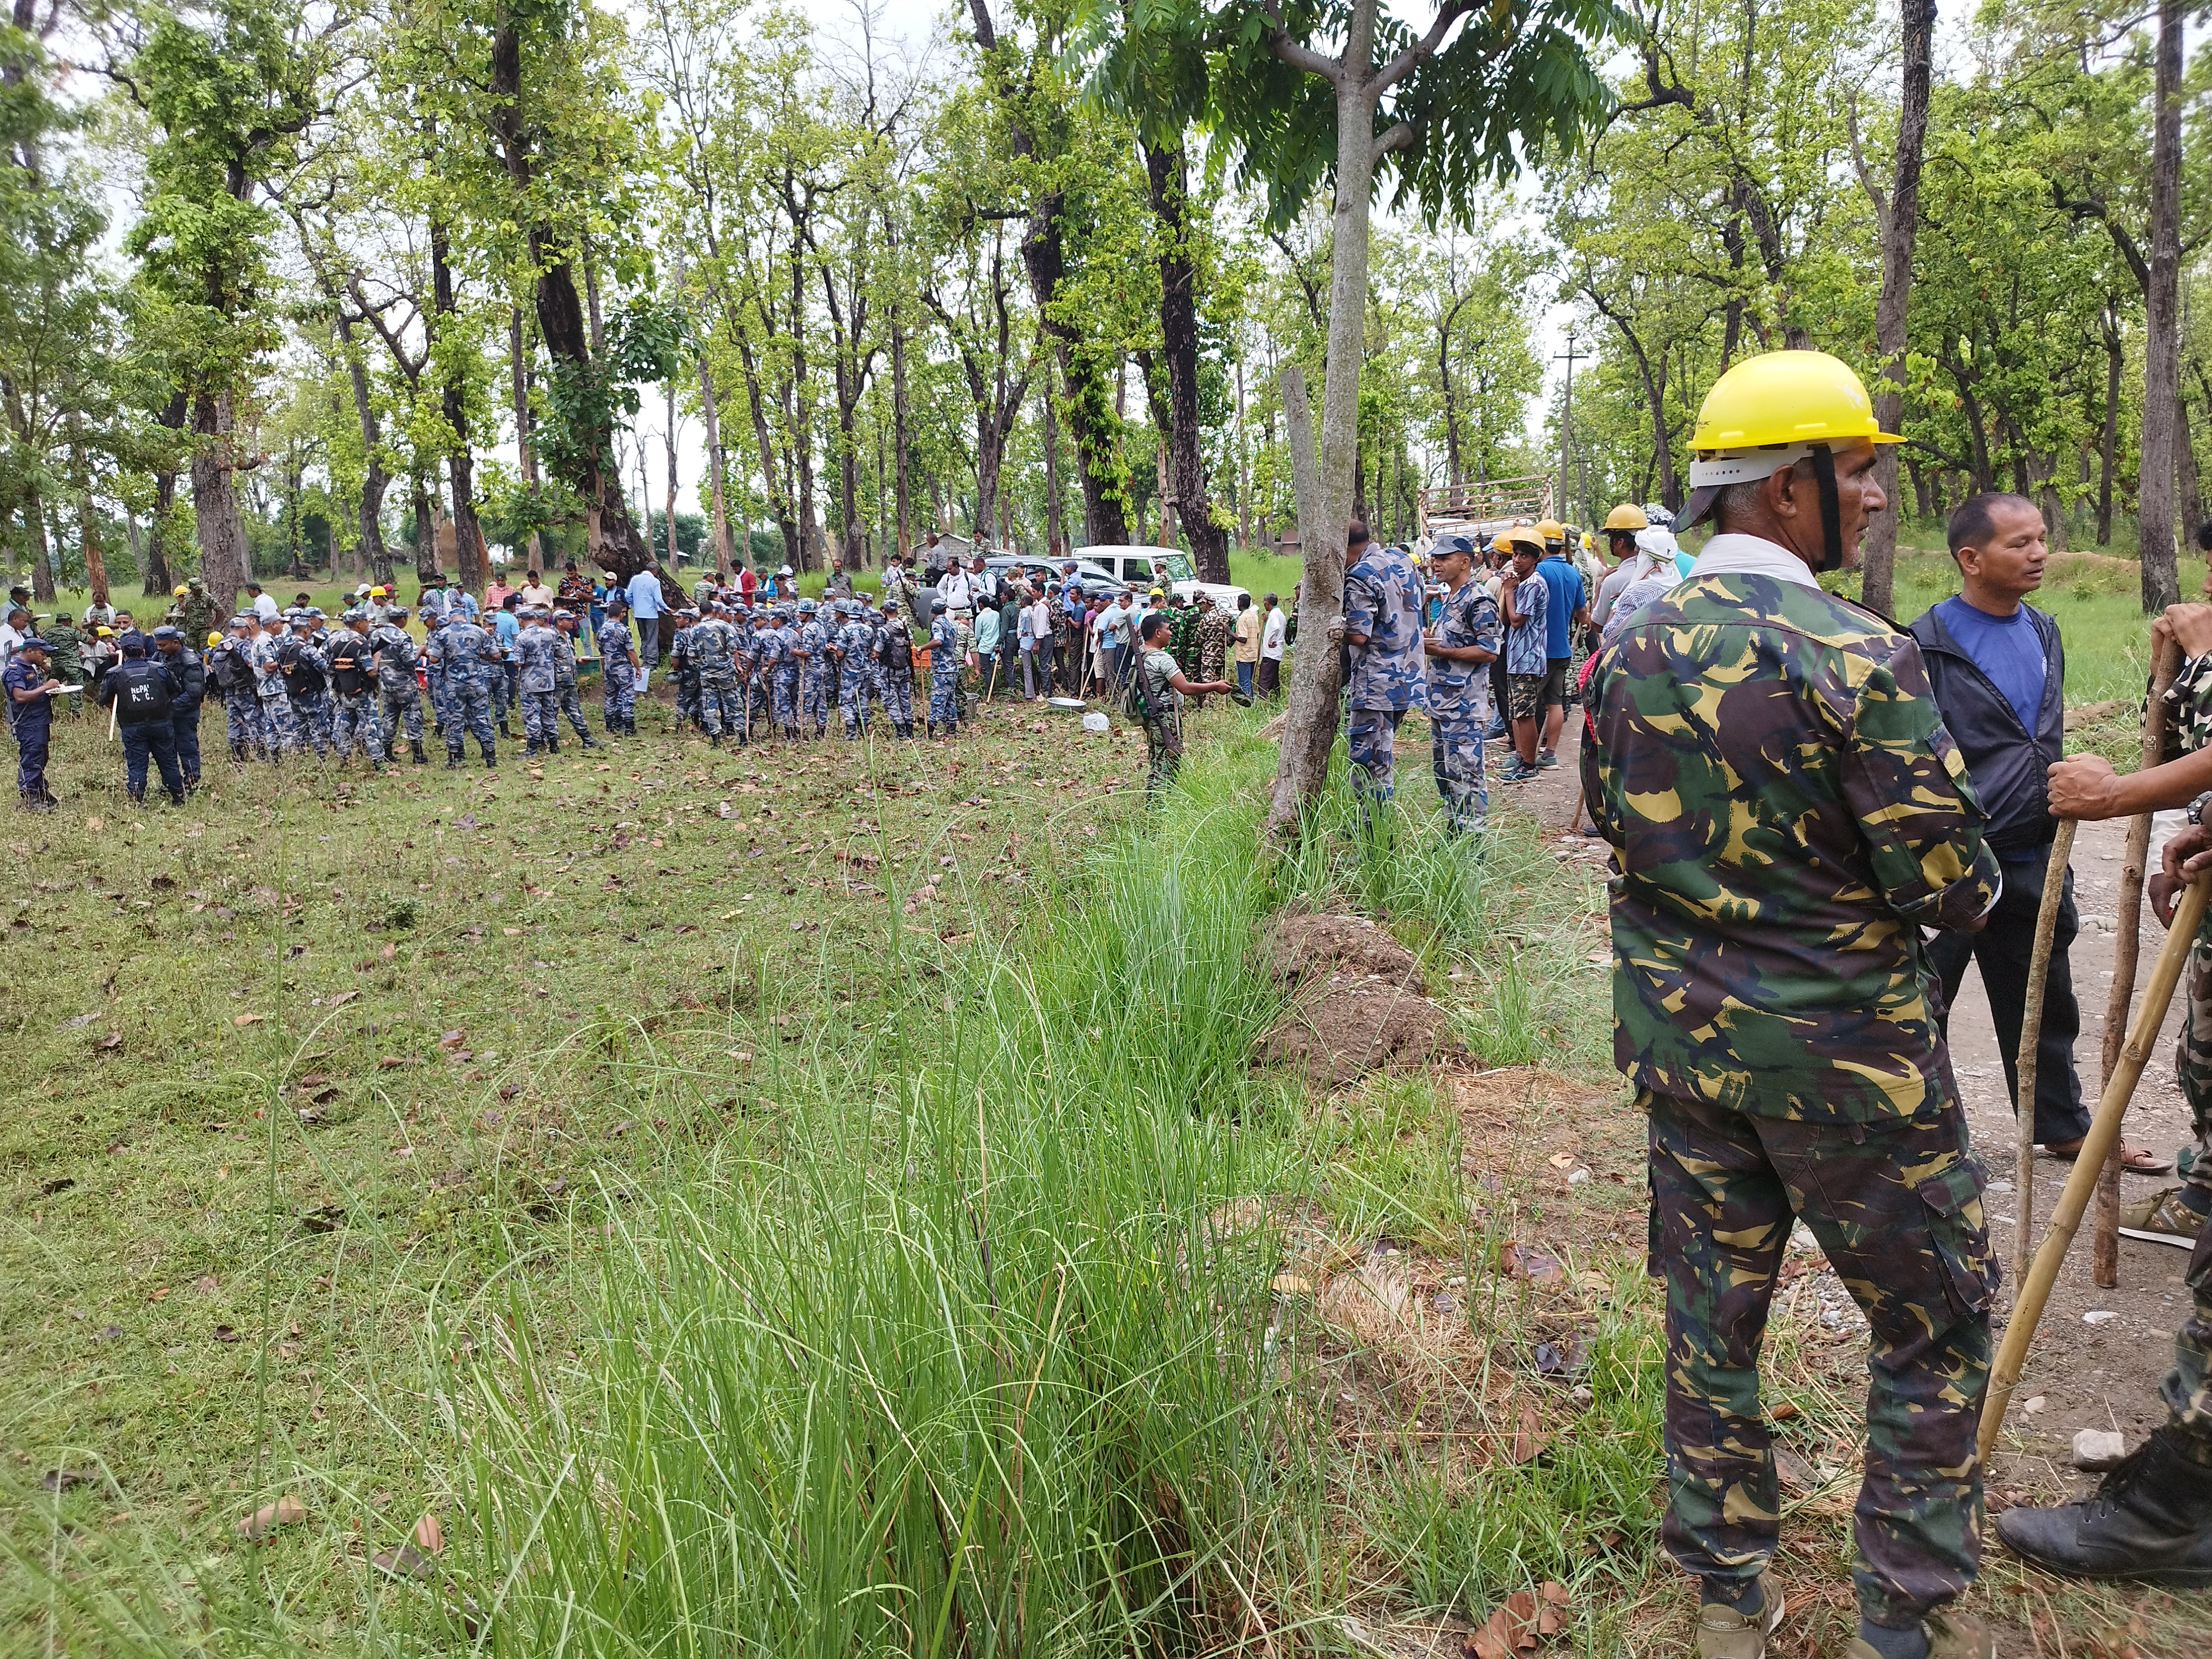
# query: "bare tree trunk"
{"points": [[2108, 441], [88, 519], [2161, 580], [2190, 503], [461, 464], [1055, 532], [154, 568], [668, 440], [725, 545], [426, 532], [1166, 171], [900, 417], [374, 480], [221, 531], [525, 446]]}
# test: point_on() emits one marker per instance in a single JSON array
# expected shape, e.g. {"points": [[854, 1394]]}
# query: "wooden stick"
{"points": [[2031, 1033], [2104, 1134], [2104, 1242]]}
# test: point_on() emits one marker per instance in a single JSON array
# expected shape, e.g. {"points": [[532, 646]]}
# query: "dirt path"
{"points": [[2103, 1375]]}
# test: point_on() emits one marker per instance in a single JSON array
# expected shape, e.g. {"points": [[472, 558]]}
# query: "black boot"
{"points": [[176, 798], [588, 740], [453, 760], [552, 745], [2151, 1518], [529, 750], [137, 796], [238, 753], [415, 747], [490, 757]]}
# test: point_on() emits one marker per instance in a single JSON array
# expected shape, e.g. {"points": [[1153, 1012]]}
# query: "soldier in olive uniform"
{"points": [[1157, 689], [1787, 813]]}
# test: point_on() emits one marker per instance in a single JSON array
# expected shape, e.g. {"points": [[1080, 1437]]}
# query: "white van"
{"points": [[1134, 568]]}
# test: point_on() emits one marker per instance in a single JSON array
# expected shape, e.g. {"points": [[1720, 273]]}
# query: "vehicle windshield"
{"points": [[1179, 565]]}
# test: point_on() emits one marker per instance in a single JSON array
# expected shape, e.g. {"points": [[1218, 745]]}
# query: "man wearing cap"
{"points": [[784, 682], [144, 692], [64, 652], [854, 646], [571, 705], [30, 692], [230, 665], [944, 670], [306, 673], [720, 694], [809, 654], [1566, 608], [1459, 647], [618, 669], [1381, 636], [198, 614], [399, 700], [470, 657], [1787, 813], [279, 727], [894, 649], [534, 650], [354, 675], [191, 670]]}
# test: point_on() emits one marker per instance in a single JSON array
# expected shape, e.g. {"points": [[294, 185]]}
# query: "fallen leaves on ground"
{"points": [[270, 1517], [246, 1019], [1526, 1619]]}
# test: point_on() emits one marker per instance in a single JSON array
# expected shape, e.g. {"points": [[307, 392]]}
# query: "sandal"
{"points": [[2134, 1160]]}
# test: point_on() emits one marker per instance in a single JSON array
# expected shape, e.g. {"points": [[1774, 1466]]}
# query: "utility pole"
{"points": [[1566, 417]]}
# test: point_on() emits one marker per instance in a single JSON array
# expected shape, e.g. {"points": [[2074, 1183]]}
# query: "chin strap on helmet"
{"points": [[1831, 511]]}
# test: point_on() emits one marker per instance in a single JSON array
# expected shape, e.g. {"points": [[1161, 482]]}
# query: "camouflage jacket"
{"points": [[1787, 811], [1383, 600], [533, 655]]}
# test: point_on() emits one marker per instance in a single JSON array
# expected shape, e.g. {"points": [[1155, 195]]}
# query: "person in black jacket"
{"points": [[176, 651], [1998, 668], [144, 693]]}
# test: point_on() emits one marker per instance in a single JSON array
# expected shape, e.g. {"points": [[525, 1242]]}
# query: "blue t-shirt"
{"points": [[1568, 593], [2006, 648], [505, 626]]}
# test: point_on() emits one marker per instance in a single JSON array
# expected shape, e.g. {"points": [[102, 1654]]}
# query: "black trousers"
{"points": [[2002, 949]]}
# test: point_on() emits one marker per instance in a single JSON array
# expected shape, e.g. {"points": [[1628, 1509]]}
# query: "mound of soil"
{"points": [[1356, 1004]]}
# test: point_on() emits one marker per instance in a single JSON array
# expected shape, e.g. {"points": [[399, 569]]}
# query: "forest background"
{"points": [[286, 286]]}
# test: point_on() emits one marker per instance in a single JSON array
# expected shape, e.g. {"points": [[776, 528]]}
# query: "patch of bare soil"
{"points": [[1357, 1002]]}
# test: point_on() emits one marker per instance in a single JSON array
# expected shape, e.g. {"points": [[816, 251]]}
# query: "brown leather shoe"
{"points": [[1724, 1634]]}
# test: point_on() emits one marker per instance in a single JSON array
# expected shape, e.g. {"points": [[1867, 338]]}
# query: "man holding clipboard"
{"points": [[31, 692]]}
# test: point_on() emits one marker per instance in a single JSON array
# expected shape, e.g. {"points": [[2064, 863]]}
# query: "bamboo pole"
{"points": [[2105, 1242], [2031, 1033], [2104, 1134]]}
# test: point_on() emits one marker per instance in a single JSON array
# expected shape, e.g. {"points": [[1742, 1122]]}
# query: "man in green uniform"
{"points": [[64, 656], [1155, 696], [1787, 813]]}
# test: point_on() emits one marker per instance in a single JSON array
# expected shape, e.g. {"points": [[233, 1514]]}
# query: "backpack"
{"points": [[898, 647], [347, 674], [231, 674]]}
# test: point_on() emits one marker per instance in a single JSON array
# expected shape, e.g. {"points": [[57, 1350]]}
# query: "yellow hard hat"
{"points": [[215, 639], [1519, 536], [1551, 530], [104, 632], [1786, 397], [379, 592], [1626, 516], [178, 591]]}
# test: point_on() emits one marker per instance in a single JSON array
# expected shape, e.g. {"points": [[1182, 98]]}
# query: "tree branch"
{"points": [[1403, 65]]}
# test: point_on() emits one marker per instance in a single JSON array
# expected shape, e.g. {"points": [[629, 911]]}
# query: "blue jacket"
{"points": [[2007, 761]]}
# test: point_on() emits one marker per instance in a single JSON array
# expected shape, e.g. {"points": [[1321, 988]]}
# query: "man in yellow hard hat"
{"points": [[1620, 527], [1787, 813]]}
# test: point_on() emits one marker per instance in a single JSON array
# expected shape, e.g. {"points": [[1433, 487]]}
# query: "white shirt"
{"points": [[264, 606], [955, 592], [1733, 555], [1270, 637], [11, 641], [1037, 625]]}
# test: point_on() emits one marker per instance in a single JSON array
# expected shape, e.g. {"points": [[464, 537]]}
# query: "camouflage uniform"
{"points": [[307, 687], [897, 682], [470, 657], [353, 713], [1788, 812], [232, 661], [753, 649], [856, 673], [943, 678], [65, 656], [617, 675], [783, 678], [966, 680], [1382, 599], [1457, 713], [434, 667], [1212, 635], [721, 696], [1163, 718], [197, 614], [564, 685], [396, 691], [815, 676], [280, 731], [683, 661], [541, 697]]}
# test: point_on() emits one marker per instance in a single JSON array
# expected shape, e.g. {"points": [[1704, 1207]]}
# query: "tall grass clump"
{"points": [[977, 1365]]}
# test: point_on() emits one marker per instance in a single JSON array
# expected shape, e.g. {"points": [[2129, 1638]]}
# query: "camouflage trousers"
{"points": [[353, 721], [1456, 753], [312, 715], [1369, 738], [853, 688], [898, 701], [541, 718], [756, 702], [1163, 754], [783, 699], [280, 726], [722, 706], [617, 698], [944, 702], [814, 698], [402, 712], [572, 708], [242, 716], [501, 689], [687, 700], [468, 714], [2188, 1387], [1897, 1207], [436, 691]]}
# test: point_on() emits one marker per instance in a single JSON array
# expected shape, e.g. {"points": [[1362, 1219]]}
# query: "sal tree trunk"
{"points": [[1900, 220], [224, 554], [1164, 166], [2161, 415]]}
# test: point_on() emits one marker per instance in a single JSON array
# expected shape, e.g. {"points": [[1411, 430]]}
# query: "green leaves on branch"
{"points": [[586, 400]]}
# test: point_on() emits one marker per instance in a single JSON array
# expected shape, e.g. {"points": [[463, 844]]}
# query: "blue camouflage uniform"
{"points": [[944, 678], [781, 671], [400, 699], [617, 672], [230, 665], [683, 660], [191, 670], [752, 655], [1457, 713], [306, 674], [353, 711], [1382, 599], [280, 729], [470, 657], [541, 696], [714, 646], [895, 680], [434, 667], [816, 672], [855, 643], [564, 685]]}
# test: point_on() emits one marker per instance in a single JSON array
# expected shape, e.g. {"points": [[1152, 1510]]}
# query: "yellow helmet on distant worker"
{"points": [[1552, 530], [178, 591], [1786, 397], [1529, 536], [1627, 516], [215, 639]]}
